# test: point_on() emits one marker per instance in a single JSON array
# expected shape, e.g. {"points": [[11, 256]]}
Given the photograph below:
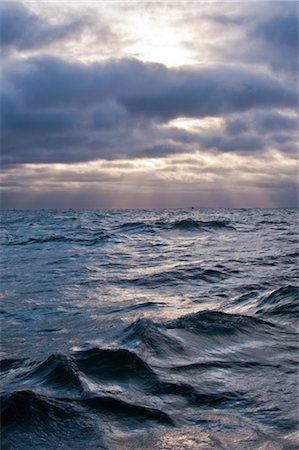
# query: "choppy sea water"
{"points": [[152, 329]]}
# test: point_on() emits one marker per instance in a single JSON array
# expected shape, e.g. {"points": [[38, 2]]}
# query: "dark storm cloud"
{"points": [[56, 111], [109, 116], [15, 119], [148, 89], [23, 30], [208, 91]]}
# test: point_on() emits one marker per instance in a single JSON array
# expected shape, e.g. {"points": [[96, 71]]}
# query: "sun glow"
{"points": [[195, 124], [170, 55], [159, 42]]}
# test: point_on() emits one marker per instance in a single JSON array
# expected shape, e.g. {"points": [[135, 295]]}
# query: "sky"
{"points": [[143, 104]]}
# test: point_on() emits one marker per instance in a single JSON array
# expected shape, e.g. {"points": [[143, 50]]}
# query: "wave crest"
{"points": [[216, 322], [282, 301]]}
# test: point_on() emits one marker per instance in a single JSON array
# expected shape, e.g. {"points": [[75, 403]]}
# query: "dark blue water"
{"points": [[149, 329]]}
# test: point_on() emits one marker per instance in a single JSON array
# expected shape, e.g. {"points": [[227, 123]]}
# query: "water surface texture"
{"points": [[161, 329]]}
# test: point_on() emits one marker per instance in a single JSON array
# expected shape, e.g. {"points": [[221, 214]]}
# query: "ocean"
{"points": [[149, 329]]}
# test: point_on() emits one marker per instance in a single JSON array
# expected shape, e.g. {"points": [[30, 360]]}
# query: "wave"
{"points": [[31, 420], [183, 224], [216, 322], [95, 239], [104, 366], [188, 224], [8, 364], [128, 290], [194, 397], [58, 371], [153, 337], [179, 274], [128, 309], [191, 224], [115, 366], [156, 377], [273, 222], [137, 227], [90, 237], [176, 341], [282, 301], [26, 405], [126, 411], [21, 407], [158, 337], [107, 369], [133, 373]]}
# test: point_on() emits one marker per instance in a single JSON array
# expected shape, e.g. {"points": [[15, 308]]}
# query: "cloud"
{"points": [[198, 179], [274, 121], [18, 120], [56, 110], [109, 116], [240, 144], [23, 30], [267, 35], [263, 123], [148, 89], [276, 34], [160, 150], [80, 129], [275, 129], [236, 126], [208, 91]]}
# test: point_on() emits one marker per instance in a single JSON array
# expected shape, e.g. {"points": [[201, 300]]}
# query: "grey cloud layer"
{"points": [[55, 111], [266, 33], [64, 101], [276, 34], [22, 30]]}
